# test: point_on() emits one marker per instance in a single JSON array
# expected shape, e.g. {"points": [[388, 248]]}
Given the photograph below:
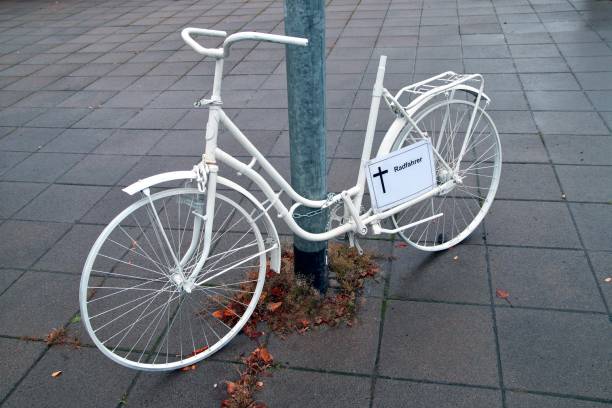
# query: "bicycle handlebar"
{"points": [[247, 35]]}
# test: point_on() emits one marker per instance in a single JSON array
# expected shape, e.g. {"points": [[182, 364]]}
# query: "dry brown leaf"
{"points": [[218, 314], [502, 294], [273, 307], [56, 374], [265, 355], [231, 387]]}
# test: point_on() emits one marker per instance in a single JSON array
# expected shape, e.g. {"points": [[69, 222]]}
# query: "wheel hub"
{"points": [[444, 175], [181, 283]]}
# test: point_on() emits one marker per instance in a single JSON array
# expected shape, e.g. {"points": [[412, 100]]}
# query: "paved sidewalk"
{"points": [[96, 94]]}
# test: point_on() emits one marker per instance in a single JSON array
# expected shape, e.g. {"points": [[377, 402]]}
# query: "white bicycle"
{"points": [[176, 275]]}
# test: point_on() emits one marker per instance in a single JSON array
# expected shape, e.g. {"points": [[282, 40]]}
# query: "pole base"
{"points": [[312, 266]]}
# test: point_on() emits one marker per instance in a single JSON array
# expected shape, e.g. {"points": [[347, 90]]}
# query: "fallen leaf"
{"points": [[259, 384], [76, 319], [265, 355], [401, 245], [502, 294], [277, 291], [56, 374], [273, 307], [231, 387], [189, 368], [218, 314], [199, 350], [608, 279]]}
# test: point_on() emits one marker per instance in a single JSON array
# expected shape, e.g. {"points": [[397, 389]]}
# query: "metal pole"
{"points": [[306, 94]]}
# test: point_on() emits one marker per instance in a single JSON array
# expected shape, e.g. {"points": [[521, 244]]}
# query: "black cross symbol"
{"points": [[380, 174]]}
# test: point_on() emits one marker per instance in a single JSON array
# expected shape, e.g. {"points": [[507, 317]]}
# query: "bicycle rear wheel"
{"points": [[465, 205], [135, 302]]}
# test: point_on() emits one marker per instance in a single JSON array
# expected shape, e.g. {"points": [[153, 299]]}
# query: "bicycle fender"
{"points": [[159, 178]]}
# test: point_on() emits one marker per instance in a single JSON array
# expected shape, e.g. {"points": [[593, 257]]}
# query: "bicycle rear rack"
{"points": [[421, 92]]}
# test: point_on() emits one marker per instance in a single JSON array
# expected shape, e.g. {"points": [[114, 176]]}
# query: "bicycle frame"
{"points": [[354, 221], [351, 197]]}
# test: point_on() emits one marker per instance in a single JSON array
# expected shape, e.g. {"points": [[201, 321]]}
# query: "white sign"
{"points": [[401, 175]]}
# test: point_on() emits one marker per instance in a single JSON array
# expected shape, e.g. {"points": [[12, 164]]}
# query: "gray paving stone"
{"points": [[44, 99], [585, 50], [18, 356], [131, 99], [589, 64], [77, 140], [101, 383], [602, 265], [108, 207], [535, 65], [28, 139], [545, 278], [62, 203], [348, 349], [289, 388], [513, 122], [106, 118], [559, 100], [602, 100], [528, 181], [569, 149], [30, 83], [524, 400], [522, 148], [9, 159], [42, 167], [16, 195], [439, 342], [100, 169], [205, 385], [581, 123], [559, 352], [134, 142], [595, 81], [440, 277], [153, 83], [573, 182], [51, 301], [116, 83], [534, 50], [390, 393], [87, 99], [8, 277], [595, 224], [9, 98], [18, 116], [70, 83], [548, 224], [58, 117], [70, 253], [549, 82], [155, 119]]}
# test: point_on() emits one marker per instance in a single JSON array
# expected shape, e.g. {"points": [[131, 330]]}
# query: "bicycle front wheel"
{"points": [[464, 205], [135, 301]]}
